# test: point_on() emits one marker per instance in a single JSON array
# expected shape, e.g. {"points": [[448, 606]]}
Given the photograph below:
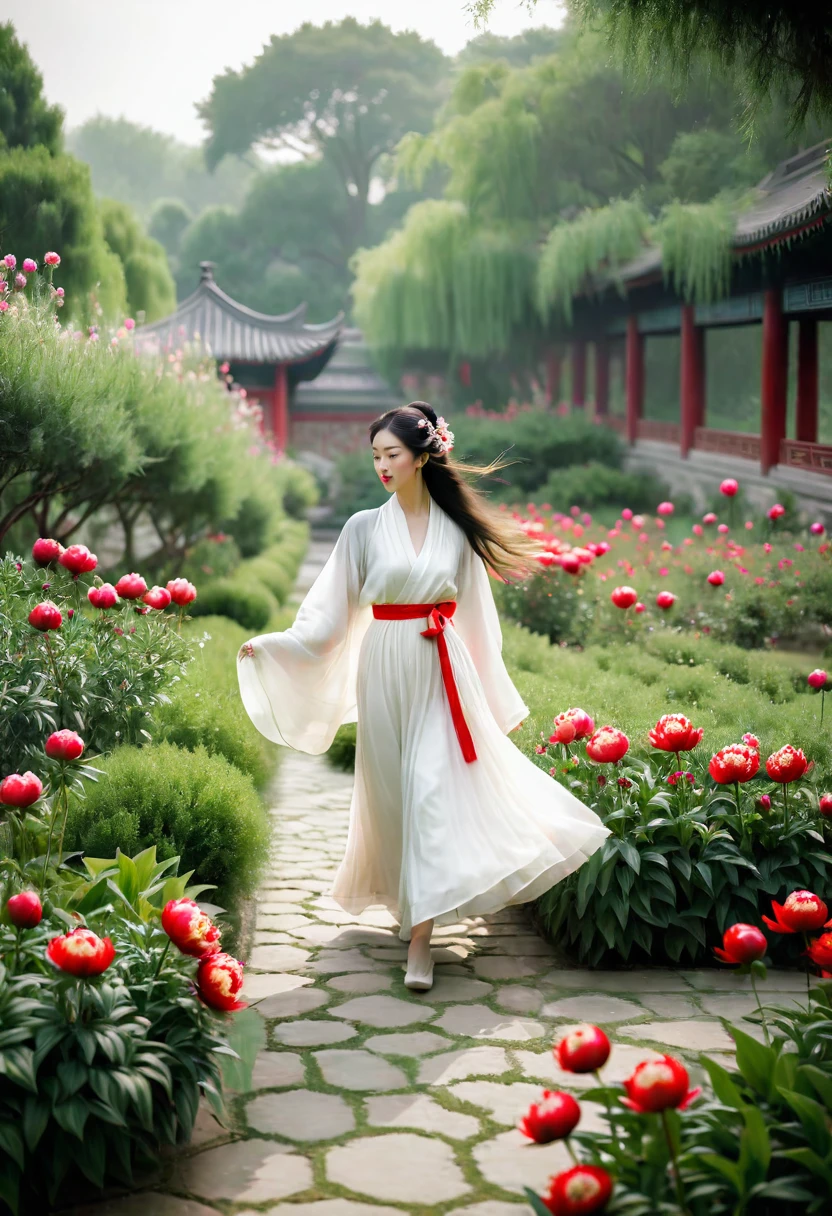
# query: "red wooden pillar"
{"points": [[552, 376], [280, 408], [634, 377], [692, 379], [602, 378], [807, 382], [774, 379], [578, 374]]}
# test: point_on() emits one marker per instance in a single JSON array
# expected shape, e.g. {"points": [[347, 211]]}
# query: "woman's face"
{"points": [[393, 460]]}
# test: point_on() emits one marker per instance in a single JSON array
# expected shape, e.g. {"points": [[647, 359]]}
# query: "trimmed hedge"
{"points": [[247, 602], [205, 707], [188, 803]]}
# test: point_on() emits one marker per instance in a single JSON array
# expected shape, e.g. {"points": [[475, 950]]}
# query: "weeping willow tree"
{"points": [[696, 245], [600, 240], [442, 283]]}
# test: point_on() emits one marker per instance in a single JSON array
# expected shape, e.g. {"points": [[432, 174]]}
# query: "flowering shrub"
{"points": [[621, 583], [109, 1036], [692, 849], [757, 1141], [63, 665]]}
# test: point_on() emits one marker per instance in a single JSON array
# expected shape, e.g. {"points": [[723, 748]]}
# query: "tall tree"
{"points": [[780, 46], [345, 92], [26, 118], [139, 166]]}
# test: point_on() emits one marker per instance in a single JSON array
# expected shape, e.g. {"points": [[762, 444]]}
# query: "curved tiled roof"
{"points": [[232, 331], [793, 195]]}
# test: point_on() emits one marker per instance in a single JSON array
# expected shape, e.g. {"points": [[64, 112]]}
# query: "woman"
{"points": [[400, 634]]}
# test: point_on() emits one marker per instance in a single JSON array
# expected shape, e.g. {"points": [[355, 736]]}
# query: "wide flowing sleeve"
{"points": [[299, 686], [478, 625]]}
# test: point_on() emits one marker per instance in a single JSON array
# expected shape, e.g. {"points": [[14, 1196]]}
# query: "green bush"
{"points": [[269, 571], [205, 707], [594, 485], [341, 753], [249, 603], [212, 557], [540, 442], [189, 804], [298, 488]]}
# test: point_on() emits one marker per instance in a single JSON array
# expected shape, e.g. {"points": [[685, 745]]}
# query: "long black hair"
{"points": [[495, 537]]}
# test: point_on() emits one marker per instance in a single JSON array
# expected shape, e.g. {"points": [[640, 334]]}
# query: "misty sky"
{"points": [[151, 60]]}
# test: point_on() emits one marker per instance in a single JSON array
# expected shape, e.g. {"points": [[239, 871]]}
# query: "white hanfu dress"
{"points": [[431, 835]]}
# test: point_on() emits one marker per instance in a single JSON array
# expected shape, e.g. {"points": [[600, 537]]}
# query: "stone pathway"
{"points": [[370, 1099]]}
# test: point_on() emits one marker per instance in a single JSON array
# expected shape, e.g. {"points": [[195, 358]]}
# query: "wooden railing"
{"points": [[814, 456], [659, 432], [727, 443]]}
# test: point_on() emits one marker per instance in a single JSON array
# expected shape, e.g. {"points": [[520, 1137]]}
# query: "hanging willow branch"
{"points": [[696, 244], [441, 283], [597, 240]]}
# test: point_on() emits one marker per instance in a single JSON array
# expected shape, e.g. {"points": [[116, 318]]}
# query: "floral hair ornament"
{"points": [[440, 433]]}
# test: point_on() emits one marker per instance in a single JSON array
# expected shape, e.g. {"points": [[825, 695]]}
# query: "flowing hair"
{"points": [[498, 540]]}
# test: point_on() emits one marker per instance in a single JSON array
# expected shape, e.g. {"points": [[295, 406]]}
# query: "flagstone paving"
{"points": [[369, 1099]]}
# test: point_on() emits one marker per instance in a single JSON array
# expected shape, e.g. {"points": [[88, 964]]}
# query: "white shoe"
{"points": [[419, 981]]}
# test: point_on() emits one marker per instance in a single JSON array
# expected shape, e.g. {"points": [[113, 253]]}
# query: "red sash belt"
{"points": [[438, 616]]}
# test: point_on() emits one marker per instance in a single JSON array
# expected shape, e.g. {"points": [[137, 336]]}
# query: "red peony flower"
{"points": [[665, 600], [736, 762], [25, 910], [190, 929], [716, 578], [157, 597], [824, 804], [578, 1191], [665, 508], [20, 789], [817, 678], [52, 259], [675, 733], [742, 944], [103, 597], [751, 741], [624, 597], [658, 1085], [77, 559], [64, 745], [787, 765], [131, 587], [803, 912], [45, 551], [580, 719], [45, 616], [820, 951], [607, 745], [553, 1118], [776, 511], [709, 518], [584, 1049], [181, 592], [564, 731], [729, 487], [81, 952], [219, 978], [764, 802]]}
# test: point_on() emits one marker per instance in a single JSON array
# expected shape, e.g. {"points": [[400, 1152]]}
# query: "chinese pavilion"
{"points": [[781, 282], [267, 355]]}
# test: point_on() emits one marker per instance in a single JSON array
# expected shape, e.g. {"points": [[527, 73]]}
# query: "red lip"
{"points": [[386, 479]]}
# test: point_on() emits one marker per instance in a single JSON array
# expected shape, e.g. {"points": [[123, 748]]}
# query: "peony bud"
{"points": [[25, 910], [45, 551], [20, 789], [45, 616], [131, 587], [64, 745]]}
